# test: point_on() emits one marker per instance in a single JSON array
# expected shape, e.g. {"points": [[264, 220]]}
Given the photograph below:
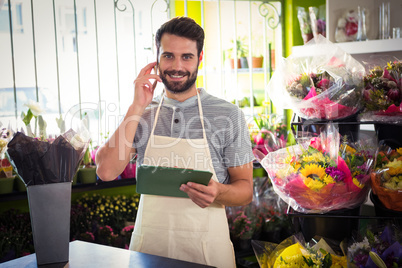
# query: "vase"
{"points": [[87, 175], [7, 185], [49, 209]]}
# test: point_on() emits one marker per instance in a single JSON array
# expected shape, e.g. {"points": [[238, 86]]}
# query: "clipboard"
{"points": [[166, 181]]}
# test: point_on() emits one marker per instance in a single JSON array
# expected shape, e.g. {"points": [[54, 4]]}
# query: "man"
{"points": [[189, 129]]}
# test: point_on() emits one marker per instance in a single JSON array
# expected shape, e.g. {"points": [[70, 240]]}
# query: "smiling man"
{"points": [[188, 128]]}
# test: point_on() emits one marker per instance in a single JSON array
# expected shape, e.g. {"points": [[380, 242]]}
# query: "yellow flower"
{"points": [[349, 149], [102, 207], [395, 167], [357, 183], [315, 177], [313, 171], [116, 208], [399, 150], [316, 157], [314, 185]]}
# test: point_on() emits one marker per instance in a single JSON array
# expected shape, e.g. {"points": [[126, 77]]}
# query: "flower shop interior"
{"points": [[319, 83]]}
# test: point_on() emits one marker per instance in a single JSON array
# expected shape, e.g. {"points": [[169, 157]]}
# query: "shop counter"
{"points": [[85, 254]]}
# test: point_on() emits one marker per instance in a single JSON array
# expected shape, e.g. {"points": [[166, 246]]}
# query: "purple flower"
{"points": [[335, 173]]}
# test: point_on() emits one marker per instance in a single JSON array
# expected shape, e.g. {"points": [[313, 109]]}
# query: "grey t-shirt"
{"points": [[225, 127]]}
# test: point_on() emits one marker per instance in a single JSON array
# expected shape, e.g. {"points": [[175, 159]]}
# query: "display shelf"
{"points": [[361, 50], [356, 48]]}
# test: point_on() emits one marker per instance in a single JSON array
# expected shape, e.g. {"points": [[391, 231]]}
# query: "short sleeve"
{"points": [[237, 150]]}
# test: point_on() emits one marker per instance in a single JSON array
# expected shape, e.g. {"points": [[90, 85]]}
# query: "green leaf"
{"points": [[27, 118], [327, 263]]}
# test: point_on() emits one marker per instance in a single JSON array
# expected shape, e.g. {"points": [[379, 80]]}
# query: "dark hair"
{"points": [[183, 27]]}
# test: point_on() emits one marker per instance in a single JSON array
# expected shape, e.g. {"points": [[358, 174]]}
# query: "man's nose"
{"points": [[177, 64]]}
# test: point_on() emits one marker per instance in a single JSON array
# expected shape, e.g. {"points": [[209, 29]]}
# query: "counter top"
{"points": [[85, 254]]}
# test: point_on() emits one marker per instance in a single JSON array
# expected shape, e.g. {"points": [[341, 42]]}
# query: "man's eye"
{"points": [[187, 57], [167, 56]]}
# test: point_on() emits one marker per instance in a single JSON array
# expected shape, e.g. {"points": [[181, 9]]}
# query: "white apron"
{"points": [[176, 227]]}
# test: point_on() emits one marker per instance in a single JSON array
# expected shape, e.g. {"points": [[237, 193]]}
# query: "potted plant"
{"points": [[241, 53], [87, 171], [257, 58]]}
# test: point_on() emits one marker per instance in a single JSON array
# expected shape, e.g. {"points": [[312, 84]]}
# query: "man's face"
{"points": [[178, 63]]}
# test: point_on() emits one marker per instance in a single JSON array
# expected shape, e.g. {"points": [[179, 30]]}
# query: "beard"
{"points": [[178, 87]]}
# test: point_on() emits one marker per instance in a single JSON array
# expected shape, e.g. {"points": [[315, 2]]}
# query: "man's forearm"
{"points": [[238, 193], [113, 156]]}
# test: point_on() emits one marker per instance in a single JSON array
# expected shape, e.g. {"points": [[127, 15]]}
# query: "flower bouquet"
{"points": [[322, 174], [327, 85], [386, 179], [377, 249], [382, 93], [294, 252]]}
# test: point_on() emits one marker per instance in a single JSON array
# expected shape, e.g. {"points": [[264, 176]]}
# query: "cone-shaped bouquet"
{"points": [[322, 174], [327, 84]]}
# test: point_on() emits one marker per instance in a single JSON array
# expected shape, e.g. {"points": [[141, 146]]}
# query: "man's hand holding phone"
{"points": [[143, 88]]}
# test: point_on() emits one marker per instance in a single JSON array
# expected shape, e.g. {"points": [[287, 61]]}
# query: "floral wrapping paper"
{"points": [[326, 85]]}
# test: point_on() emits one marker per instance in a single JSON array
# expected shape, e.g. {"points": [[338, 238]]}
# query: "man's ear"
{"points": [[200, 58]]}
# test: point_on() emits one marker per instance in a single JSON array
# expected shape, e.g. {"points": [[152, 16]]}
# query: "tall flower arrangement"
{"points": [[323, 174]]}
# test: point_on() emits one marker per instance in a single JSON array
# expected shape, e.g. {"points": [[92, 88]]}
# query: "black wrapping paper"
{"points": [[42, 162]]}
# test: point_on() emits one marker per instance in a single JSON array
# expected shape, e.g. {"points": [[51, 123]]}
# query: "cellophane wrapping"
{"points": [[323, 173], [326, 84]]}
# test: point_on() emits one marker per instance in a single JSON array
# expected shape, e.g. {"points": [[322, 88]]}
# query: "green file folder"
{"points": [[166, 181]]}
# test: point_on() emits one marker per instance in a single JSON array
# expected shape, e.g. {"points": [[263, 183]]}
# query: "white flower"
{"points": [[35, 107]]}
